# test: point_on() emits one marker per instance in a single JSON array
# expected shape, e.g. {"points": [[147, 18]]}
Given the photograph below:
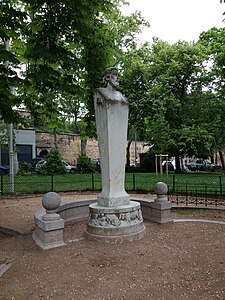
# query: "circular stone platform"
{"points": [[115, 224]]}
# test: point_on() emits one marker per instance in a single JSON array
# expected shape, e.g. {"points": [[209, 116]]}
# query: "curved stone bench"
{"points": [[49, 234], [51, 219], [78, 210], [74, 211]]}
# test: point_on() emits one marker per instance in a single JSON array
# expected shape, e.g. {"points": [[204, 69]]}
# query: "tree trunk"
{"points": [[128, 153], [83, 146], [55, 138], [177, 162], [221, 154]]}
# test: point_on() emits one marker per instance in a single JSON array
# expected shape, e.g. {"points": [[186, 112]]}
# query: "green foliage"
{"points": [[3, 134], [24, 168], [176, 103], [135, 85], [12, 21], [147, 161], [65, 47], [84, 164], [215, 106], [54, 164], [165, 87]]}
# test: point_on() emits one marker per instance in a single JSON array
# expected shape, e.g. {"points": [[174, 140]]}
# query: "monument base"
{"points": [[161, 212], [115, 224], [48, 235]]}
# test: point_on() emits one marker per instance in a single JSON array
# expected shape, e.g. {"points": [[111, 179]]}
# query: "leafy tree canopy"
{"points": [[165, 86], [65, 46]]}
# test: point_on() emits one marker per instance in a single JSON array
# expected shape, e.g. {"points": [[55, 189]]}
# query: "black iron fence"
{"points": [[191, 198], [198, 190], [47, 183], [186, 189]]}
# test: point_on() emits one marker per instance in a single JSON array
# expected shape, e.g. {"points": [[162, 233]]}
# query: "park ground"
{"points": [[173, 261]]}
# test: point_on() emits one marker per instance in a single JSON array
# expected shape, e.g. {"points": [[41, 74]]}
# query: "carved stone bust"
{"points": [[110, 85]]}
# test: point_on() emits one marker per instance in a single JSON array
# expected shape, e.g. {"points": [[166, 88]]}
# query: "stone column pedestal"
{"points": [[115, 224], [161, 208], [111, 122], [49, 227], [49, 235]]}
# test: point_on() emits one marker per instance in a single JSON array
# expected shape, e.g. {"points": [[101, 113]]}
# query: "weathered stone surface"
{"points": [[51, 202], [48, 239], [161, 190], [49, 226], [115, 224], [69, 145], [161, 212], [161, 208], [4, 268], [111, 120], [114, 218]]}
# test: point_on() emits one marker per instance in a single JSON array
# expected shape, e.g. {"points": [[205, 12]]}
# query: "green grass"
{"points": [[200, 182], [46, 183]]}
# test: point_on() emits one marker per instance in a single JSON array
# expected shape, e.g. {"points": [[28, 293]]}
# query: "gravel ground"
{"points": [[173, 261]]}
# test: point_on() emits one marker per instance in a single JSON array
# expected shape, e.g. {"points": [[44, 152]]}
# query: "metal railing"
{"points": [[191, 198], [185, 189]]}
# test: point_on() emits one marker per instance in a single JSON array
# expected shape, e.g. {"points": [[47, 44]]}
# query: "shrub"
{"points": [[84, 164], [147, 161], [24, 168], [54, 163]]}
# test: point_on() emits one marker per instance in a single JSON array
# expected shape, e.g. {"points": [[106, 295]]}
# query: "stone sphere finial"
{"points": [[161, 190], [51, 202]]}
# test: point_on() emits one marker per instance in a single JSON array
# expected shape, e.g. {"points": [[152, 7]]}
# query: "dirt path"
{"points": [[173, 261], [17, 213]]}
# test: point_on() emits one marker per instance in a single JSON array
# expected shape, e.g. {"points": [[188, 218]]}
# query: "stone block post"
{"points": [[49, 226], [161, 207]]}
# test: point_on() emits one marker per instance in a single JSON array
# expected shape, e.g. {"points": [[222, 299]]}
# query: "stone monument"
{"points": [[114, 217]]}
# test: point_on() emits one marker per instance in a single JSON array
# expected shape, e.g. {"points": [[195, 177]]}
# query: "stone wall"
{"points": [[92, 148], [140, 148], [69, 146]]}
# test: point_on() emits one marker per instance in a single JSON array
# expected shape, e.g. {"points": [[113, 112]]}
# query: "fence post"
{"points": [[221, 186], [92, 182], [206, 196], [186, 195], [1, 184], [52, 184], [134, 187], [174, 183]]}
